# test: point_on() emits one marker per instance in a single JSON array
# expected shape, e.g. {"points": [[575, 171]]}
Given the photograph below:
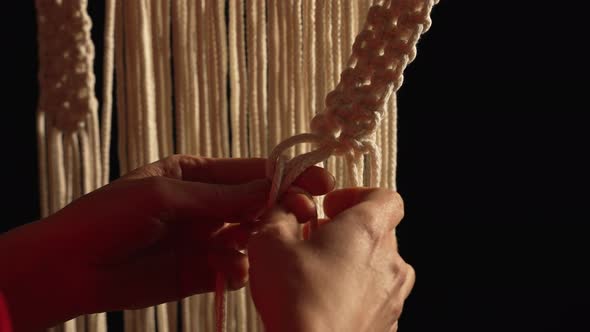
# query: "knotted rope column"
{"points": [[354, 109]]}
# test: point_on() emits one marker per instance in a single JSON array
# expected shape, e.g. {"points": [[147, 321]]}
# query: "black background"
{"points": [[492, 138]]}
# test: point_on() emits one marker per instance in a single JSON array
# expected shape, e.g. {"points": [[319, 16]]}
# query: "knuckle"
{"points": [[396, 203], [272, 232], [179, 161], [396, 308], [399, 205], [411, 272], [156, 187], [366, 220]]}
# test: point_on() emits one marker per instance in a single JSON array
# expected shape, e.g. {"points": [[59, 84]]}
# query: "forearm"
{"points": [[38, 288]]}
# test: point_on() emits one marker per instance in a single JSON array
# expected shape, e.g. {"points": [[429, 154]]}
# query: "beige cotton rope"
{"points": [[355, 108], [186, 85], [70, 160]]}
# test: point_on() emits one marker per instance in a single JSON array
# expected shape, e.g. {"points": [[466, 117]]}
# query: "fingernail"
{"points": [[332, 181], [237, 283]]}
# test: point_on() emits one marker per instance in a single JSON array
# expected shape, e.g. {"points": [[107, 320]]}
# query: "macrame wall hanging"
{"points": [[301, 82]]}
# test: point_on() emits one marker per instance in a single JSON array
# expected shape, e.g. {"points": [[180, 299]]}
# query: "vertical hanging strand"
{"points": [[320, 49], [299, 112], [252, 27], [261, 58], [87, 156], [203, 80], [136, 115], [392, 142], [77, 178], [185, 307], [130, 86], [283, 69], [69, 165], [329, 41], [147, 87], [107, 87], [383, 145], [57, 172], [190, 88], [93, 129], [179, 22], [121, 96], [160, 14], [222, 72], [340, 54], [308, 45], [212, 89], [237, 78], [70, 325], [347, 36], [289, 48], [42, 157], [167, 81], [275, 110]]}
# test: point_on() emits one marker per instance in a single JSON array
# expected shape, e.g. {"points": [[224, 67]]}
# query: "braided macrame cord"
{"points": [[236, 78]]}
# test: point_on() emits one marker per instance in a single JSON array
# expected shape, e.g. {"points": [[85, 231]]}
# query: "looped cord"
{"points": [[354, 109]]}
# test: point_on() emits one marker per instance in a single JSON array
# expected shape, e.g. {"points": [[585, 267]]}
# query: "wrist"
{"points": [[303, 318]]}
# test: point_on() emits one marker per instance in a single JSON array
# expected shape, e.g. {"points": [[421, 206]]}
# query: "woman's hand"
{"points": [[347, 277], [156, 235]]}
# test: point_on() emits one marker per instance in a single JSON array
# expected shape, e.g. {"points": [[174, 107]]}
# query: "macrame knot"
{"points": [[66, 56], [346, 144]]}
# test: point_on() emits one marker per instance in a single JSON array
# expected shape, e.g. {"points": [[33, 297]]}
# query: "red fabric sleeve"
{"points": [[5, 325]]}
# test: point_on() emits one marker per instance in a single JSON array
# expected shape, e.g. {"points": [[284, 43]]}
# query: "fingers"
{"points": [[301, 205], [221, 170], [173, 199], [342, 199], [277, 228], [316, 181], [379, 209], [208, 170], [229, 171]]}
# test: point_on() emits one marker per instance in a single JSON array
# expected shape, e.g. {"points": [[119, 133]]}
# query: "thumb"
{"points": [[187, 200], [277, 230]]}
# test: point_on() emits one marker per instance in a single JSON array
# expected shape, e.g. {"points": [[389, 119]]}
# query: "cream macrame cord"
{"points": [[354, 109], [221, 79]]}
